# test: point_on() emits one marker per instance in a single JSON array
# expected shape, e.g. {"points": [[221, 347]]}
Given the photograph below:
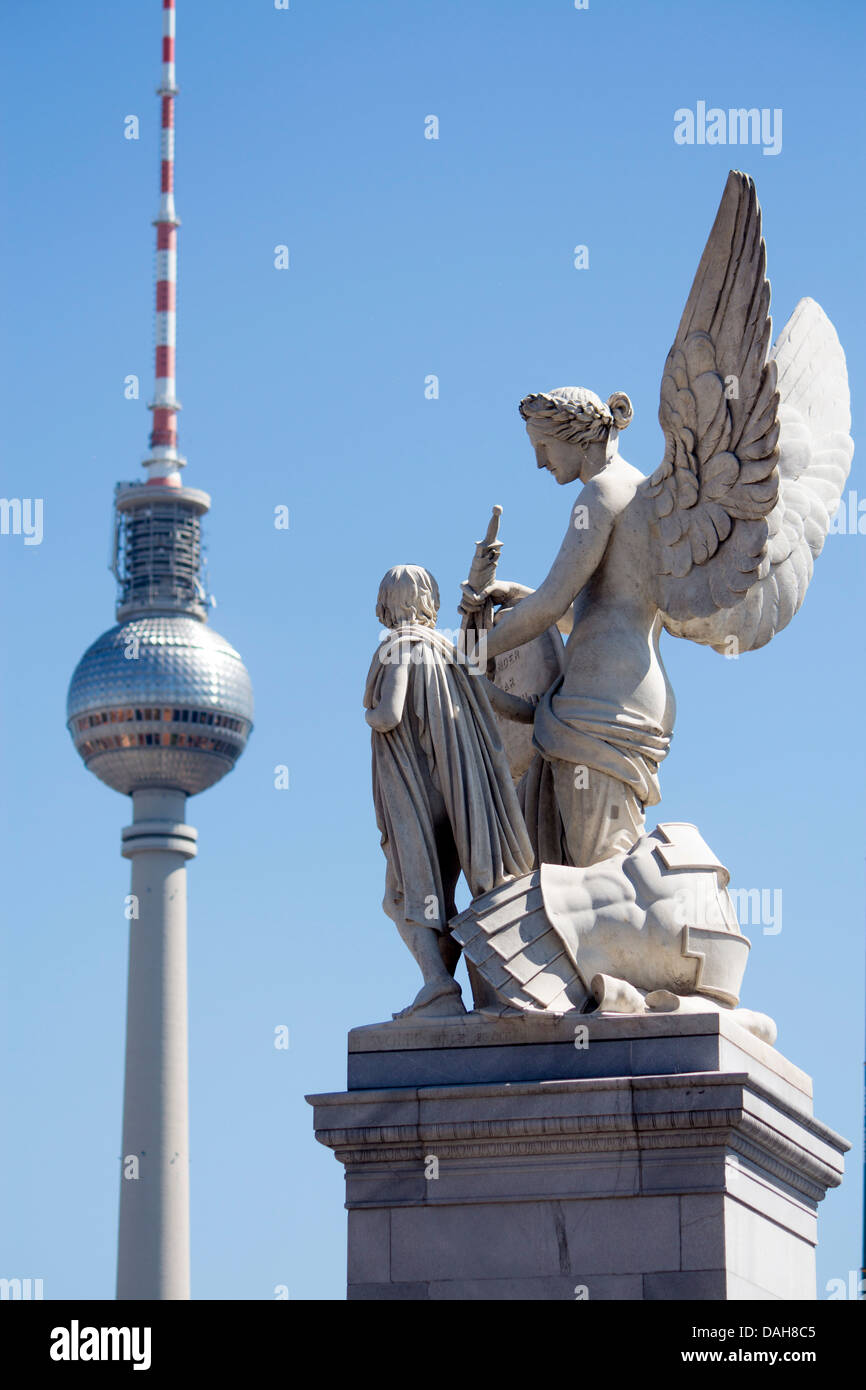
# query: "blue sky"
{"points": [[408, 257]]}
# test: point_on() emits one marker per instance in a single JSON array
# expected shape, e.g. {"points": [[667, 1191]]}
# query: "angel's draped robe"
{"points": [[442, 787], [594, 773]]}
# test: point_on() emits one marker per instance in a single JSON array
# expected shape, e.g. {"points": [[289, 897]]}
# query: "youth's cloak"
{"points": [[443, 765]]}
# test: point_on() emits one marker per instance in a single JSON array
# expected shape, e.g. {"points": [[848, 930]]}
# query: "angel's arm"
{"points": [[510, 706], [508, 594], [386, 715], [579, 556]]}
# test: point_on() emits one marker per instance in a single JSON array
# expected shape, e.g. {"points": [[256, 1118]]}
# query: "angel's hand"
{"points": [[499, 593], [503, 593]]}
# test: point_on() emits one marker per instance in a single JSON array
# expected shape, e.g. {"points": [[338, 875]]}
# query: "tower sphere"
{"points": [[160, 701]]}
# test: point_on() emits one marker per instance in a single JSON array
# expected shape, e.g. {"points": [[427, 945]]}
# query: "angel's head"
{"points": [[573, 431], [408, 594]]}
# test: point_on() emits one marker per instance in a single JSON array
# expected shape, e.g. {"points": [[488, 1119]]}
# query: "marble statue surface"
{"points": [[651, 930], [442, 788], [716, 546]]}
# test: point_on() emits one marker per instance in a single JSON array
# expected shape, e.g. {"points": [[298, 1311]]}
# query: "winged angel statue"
{"points": [[717, 546]]}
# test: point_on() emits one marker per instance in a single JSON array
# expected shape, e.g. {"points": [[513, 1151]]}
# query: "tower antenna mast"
{"points": [[164, 461]]}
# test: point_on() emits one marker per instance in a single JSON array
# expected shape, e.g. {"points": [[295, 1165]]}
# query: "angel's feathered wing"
{"points": [[757, 445]]}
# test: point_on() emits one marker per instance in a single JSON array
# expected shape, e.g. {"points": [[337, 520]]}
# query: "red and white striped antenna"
{"points": [[163, 463]]}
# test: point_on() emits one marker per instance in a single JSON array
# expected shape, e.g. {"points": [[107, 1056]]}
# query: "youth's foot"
{"points": [[436, 1000]]}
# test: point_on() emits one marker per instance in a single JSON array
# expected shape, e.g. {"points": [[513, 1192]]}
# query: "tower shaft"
{"points": [[153, 1239]]}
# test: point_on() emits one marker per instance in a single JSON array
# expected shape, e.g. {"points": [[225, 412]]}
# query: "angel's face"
{"points": [[565, 461]]}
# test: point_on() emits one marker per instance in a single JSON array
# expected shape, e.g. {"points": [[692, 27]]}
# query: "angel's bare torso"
{"points": [[612, 653], [601, 584]]}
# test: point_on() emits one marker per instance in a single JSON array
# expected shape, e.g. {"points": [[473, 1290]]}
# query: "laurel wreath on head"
{"points": [[575, 414]]}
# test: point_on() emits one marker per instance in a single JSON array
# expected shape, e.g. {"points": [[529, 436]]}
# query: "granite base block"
{"points": [[643, 1158]]}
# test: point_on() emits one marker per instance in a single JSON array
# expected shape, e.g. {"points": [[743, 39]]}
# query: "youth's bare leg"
{"points": [[450, 951], [435, 950], [440, 995]]}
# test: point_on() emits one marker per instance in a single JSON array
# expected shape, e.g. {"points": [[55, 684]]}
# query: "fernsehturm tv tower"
{"points": [[160, 708]]}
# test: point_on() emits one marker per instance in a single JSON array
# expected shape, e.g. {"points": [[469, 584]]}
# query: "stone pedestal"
{"points": [[651, 1157]]}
